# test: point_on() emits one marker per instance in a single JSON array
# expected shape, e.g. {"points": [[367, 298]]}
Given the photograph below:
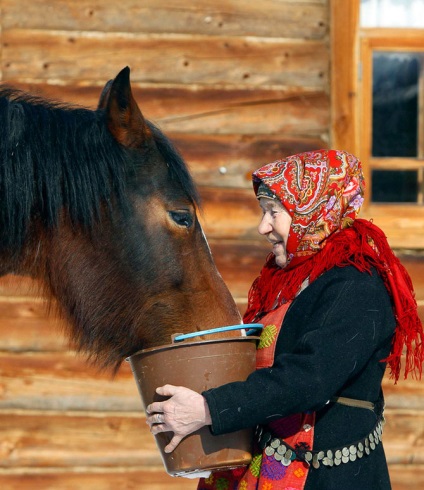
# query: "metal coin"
{"points": [[330, 454], [352, 449], [275, 443], [352, 457], [320, 455], [367, 442], [361, 446], [308, 456], [345, 451], [315, 463], [269, 451], [360, 454], [285, 462], [338, 454], [367, 450], [371, 437], [372, 446], [337, 461], [345, 459], [288, 454], [278, 457], [327, 462], [281, 449]]}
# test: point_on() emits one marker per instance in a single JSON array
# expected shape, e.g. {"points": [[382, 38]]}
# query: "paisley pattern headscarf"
{"points": [[323, 192]]}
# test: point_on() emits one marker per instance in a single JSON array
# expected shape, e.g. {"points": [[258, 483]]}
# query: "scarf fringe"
{"points": [[363, 245]]}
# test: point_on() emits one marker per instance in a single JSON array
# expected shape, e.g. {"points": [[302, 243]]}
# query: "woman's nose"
{"points": [[264, 226]]}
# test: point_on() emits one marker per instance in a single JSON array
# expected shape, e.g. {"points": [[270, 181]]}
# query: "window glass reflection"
{"points": [[395, 186], [392, 13], [395, 104]]}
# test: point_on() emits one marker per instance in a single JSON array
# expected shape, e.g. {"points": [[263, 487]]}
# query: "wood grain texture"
{"points": [[97, 479], [155, 58], [70, 439], [166, 103], [63, 381], [305, 19]]}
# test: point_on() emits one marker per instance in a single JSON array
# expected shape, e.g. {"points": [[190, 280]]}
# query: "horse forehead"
{"points": [[156, 204]]}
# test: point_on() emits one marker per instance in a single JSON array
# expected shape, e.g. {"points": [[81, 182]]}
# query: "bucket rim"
{"points": [[188, 344]]}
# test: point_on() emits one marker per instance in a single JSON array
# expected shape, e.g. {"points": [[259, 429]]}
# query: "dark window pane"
{"points": [[395, 104], [394, 186]]}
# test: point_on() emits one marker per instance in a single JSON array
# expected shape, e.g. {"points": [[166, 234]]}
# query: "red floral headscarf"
{"points": [[323, 192]]}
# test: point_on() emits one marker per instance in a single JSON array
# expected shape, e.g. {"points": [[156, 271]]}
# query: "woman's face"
{"points": [[275, 226]]}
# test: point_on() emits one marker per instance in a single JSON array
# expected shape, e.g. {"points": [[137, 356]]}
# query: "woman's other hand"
{"points": [[183, 413]]}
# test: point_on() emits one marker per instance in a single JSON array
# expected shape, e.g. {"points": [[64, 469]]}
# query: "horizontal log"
{"points": [[207, 60], [229, 160], [65, 440], [406, 394], [64, 381], [403, 477], [238, 260], [407, 477], [304, 19], [98, 479], [403, 225], [188, 113], [403, 436]]}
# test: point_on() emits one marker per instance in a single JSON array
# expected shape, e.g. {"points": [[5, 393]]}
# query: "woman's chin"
{"points": [[281, 261]]}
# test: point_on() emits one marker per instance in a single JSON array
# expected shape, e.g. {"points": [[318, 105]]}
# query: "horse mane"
{"points": [[56, 156]]}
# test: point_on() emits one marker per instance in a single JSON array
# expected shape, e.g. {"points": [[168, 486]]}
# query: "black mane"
{"points": [[55, 156]]}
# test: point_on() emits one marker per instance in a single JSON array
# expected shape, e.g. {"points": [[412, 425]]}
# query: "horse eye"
{"points": [[182, 218]]}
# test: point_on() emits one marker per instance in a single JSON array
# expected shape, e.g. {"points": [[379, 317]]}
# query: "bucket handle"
{"points": [[250, 329]]}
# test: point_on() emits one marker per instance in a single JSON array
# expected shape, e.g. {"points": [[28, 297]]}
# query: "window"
{"points": [[378, 108], [392, 137]]}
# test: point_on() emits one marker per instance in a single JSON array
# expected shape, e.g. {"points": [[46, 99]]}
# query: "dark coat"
{"points": [[333, 338]]}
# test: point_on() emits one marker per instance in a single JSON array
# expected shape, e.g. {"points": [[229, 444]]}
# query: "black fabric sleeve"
{"points": [[349, 321]]}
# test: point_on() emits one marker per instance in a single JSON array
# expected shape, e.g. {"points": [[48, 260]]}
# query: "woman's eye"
{"points": [[182, 218]]}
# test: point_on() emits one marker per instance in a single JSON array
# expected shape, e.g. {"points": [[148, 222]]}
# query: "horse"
{"points": [[100, 208]]}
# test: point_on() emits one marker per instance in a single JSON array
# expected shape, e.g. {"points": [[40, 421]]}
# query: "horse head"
{"points": [[109, 224]]}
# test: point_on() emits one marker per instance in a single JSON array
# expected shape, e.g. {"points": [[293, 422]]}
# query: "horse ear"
{"points": [[104, 96], [124, 118]]}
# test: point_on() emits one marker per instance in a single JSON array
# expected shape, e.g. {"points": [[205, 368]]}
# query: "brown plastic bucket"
{"points": [[199, 366]]}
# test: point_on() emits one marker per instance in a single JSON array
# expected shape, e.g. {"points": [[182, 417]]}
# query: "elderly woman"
{"points": [[336, 305]]}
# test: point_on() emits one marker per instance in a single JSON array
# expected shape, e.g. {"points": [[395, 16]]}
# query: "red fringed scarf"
{"points": [[363, 245], [322, 190]]}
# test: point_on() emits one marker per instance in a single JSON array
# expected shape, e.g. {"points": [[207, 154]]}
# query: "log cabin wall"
{"points": [[235, 84]]}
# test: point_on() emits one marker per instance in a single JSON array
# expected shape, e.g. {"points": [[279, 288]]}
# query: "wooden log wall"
{"points": [[235, 84]]}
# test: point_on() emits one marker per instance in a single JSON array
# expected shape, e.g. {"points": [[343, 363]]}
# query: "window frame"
{"points": [[351, 113]]}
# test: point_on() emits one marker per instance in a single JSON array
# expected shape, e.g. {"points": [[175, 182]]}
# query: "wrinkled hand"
{"points": [[185, 412]]}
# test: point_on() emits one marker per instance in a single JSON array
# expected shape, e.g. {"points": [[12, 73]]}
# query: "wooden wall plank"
{"points": [[59, 440], [54, 439], [64, 381], [169, 58], [35, 335], [268, 124], [407, 477], [98, 479], [410, 477], [306, 19]]}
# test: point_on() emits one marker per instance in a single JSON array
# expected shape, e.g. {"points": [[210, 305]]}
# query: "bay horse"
{"points": [[100, 208]]}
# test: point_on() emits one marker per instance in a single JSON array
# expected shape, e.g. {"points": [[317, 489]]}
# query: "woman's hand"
{"points": [[185, 412]]}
